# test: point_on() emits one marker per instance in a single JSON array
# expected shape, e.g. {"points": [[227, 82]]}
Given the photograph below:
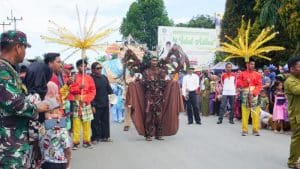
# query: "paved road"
{"points": [[209, 146]]}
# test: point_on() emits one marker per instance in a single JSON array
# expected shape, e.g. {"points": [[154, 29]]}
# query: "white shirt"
{"points": [[229, 87], [190, 82]]}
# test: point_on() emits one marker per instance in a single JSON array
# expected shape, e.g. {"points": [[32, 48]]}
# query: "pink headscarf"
{"points": [[52, 92]]}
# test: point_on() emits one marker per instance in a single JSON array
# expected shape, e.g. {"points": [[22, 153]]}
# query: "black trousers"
{"points": [[217, 105], [192, 107], [100, 124], [223, 108], [48, 165]]}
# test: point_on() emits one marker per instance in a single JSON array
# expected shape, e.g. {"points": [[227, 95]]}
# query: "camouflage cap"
{"points": [[14, 37]]}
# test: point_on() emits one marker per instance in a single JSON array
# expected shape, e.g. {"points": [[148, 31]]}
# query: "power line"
{"points": [[3, 24], [14, 19]]}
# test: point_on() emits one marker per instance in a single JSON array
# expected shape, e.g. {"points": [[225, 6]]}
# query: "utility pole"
{"points": [[14, 19], [3, 24]]}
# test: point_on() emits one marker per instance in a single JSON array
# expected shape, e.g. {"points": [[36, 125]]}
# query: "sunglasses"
{"points": [[98, 68]]}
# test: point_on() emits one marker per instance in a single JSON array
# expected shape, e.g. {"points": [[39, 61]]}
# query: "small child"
{"points": [[280, 106], [55, 142], [265, 117]]}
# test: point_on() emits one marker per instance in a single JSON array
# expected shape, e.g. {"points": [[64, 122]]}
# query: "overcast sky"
{"points": [[37, 13]]}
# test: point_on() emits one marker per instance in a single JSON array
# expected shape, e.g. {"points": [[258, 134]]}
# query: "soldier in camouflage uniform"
{"points": [[15, 108]]}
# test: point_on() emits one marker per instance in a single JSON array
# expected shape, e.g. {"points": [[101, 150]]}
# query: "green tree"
{"points": [[200, 21], [289, 13], [234, 10], [268, 12], [142, 21], [284, 15]]}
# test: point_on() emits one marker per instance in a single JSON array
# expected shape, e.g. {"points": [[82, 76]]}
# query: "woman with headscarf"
{"points": [[36, 79], [205, 88]]}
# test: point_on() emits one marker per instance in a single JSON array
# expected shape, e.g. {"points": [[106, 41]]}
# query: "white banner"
{"points": [[199, 44]]}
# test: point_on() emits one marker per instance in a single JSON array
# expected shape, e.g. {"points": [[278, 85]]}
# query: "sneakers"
{"points": [[219, 122], [256, 133], [148, 138], [244, 133], [95, 142], [75, 147], [231, 121], [87, 145]]}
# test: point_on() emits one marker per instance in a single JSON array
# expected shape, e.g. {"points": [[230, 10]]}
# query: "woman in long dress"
{"points": [[204, 100]]}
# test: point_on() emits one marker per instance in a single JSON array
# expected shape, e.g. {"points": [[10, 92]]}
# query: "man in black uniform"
{"points": [[100, 124]]}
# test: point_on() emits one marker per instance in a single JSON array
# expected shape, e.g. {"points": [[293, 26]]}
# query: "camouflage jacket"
{"points": [[14, 105], [13, 100]]}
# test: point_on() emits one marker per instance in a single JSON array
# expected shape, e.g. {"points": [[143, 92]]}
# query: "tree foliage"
{"points": [[200, 21], [284, 15], [234, 10], [142, 21], [268, 14]]}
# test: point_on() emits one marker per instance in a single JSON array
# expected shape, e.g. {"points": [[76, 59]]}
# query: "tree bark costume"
{"points": [[156, 104]]}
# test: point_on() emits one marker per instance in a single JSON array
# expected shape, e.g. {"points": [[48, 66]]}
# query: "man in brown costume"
{"points": [[155, 102]]}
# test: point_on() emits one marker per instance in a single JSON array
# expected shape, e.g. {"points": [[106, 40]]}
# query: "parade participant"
{"points": [[189, 86], [84, 91], [66, 97], [22, 72], [266, 119], [292, 90], [266, 80], [280, 106], [228, 81], [155, 103], [154, 84], [53, 60], [55, 142], [15, 110], [127, 121], [100, 104], [217, 101], [113, 70], [204, 94], [36, 79], [250, 84], [213, 86]]}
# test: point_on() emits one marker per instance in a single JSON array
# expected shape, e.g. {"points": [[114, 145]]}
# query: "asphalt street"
{"points": [[206, 146]]}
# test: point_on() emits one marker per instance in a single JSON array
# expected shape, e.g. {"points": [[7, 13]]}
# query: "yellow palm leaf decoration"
{"points": [[242, 48], [88, 38]]}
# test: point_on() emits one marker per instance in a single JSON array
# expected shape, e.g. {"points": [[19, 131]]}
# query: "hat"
{"points": [[68, 66], [14, 37]]}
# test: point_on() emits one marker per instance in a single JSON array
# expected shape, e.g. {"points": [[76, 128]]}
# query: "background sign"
{"points": [[199, 44]]}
